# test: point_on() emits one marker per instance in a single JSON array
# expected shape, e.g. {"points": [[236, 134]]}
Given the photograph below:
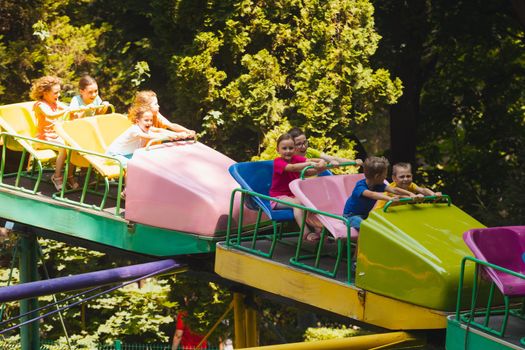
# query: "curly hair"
{"points": [[42, 85], [135, 113]]}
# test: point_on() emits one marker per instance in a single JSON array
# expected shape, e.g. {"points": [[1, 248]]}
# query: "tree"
{"points": [[302, 62], [464, 61]]}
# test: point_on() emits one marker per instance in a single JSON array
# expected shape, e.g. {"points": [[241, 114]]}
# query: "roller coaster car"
{"points": [[499, 259], [405, 252]]}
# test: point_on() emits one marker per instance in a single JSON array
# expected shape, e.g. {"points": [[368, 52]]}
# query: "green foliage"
{"points": [[324, 333], [471, 126], [305, 63]]}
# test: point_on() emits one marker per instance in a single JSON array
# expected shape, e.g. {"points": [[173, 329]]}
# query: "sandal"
{"points": [[72, 182], [57, 181], [312, 237]]}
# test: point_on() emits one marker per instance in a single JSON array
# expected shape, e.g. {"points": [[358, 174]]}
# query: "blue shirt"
{"points": [[357, 204]]}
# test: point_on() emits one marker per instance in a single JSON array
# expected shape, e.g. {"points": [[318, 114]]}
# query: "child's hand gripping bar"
{"points": [[425, 199], [303, 172], [87, 108]]}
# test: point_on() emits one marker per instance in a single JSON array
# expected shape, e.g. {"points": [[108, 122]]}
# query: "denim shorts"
{"points": [[354, 220]]}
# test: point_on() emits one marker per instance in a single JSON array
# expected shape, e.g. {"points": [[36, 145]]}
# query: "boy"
{"points": [[402, 178], [369, 190]]}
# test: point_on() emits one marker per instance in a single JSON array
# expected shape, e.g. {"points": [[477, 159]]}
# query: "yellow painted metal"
{"points": [[239, 320], [365, 342], [251, 327], [324, 293], [245, 322]]}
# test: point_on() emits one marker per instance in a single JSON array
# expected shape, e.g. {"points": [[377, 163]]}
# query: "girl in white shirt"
{"points": [[137, 135]]}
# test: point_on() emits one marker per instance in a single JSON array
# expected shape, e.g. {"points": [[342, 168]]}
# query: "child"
{"points": [[301, 149], [369, 190], [402, 178], [137, 135], [286, 168], [149, 98], [48, 109], [88, 98]]}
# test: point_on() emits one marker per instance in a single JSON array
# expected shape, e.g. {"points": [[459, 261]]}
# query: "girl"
{"points": [[137, 135], [48, 109], [287, 168], [149, 98], [88, 98]]}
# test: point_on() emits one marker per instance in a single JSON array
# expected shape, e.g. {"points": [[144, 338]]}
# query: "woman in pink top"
{"points": [[48, 109], [286, 168]]}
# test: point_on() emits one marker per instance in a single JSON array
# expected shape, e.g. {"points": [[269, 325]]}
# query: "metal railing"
{"points": [[484, 315], [61, 194]]}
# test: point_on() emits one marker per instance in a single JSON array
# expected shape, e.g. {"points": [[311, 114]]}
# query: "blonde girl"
{"points": [[149, 98]]}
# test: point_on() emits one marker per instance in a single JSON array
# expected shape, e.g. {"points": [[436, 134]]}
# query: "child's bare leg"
{"points": [[298, 215], [61, 158]]}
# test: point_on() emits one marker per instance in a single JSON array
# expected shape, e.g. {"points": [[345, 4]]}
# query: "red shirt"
{"points": [[189, 339], [281, 178]]}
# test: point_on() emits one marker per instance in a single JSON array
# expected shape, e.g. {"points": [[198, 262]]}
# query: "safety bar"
{"points": [[87, 108], [163, 139], [426, 199], [329, 166]]}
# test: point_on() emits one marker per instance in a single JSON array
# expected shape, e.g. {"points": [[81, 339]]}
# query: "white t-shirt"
{"points": [[128, 141]]}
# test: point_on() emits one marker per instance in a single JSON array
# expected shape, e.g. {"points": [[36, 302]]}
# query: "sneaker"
{"points": [[57, 181]]}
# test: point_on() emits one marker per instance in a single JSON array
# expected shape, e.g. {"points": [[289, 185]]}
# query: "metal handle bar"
{"points": [[303, 172], [418, 200]]}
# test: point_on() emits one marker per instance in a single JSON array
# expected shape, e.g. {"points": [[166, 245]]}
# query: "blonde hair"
{"points": [[144, 97], [375, 166], [42, 85], [136, 113], [397, 166]]}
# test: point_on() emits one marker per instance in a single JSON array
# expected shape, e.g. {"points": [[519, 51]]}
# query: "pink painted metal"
{"points": [[502, 246], [328, 194], [183, 186]]}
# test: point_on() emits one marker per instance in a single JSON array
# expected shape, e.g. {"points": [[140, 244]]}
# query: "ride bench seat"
{"points": [[92, 136], [328, 194], [18, 120], [95, 134]]}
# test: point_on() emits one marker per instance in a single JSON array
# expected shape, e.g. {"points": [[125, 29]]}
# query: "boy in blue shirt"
{"points": [[371, 189]]}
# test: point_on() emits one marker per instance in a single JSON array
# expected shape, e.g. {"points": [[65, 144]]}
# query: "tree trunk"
{"points": [[404, 115]]}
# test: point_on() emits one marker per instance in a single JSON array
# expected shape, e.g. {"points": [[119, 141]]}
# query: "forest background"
{"points": [[436, 83]]}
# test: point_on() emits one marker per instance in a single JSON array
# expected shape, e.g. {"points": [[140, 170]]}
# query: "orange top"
{"points": [[161, 121], [45, 125]]}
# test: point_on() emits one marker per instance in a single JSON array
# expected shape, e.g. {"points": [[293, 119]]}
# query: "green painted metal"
{"points": [[29, 333], [100, 227], [419, 200], [297, 259], [411, 253], [459, 337], [468, 317], [60, 196], [329, 166]]}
